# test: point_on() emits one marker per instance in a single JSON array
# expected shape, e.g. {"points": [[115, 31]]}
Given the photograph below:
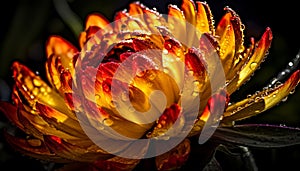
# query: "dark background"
{"points": [[26, 25]]}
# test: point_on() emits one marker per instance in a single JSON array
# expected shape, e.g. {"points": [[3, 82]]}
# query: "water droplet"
{"points": [[140, 73], [292, 91], [149, 84], [32, 96], [166, 70], [131, 109], [105, 87], [257, 99], [284, 99], [253, 65], [42, 89], [195, 93], [124, 96], [97, 96], [108, 122], [152, 76], [165, 51], [35, 91], [290, 64], [36, 82]]}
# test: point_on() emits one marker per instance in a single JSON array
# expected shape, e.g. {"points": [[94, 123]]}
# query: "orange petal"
{"points": [[212, 112], [205, 22], [10, 111], [261, 101], [73, 152], [96, 19], [34, 148], [35, 125], [226, 36], [189, 9], [253, 63], [60, 120], [34, 89], [57, 45], [175, 158], [61, 57], [165, 121], [117, 163]]}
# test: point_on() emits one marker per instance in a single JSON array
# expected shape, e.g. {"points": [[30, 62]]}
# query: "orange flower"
{"points": [[139, 78]]}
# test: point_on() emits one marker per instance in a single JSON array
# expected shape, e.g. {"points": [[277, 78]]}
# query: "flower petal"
{"points": [[189, 10], [34, 148], [212, 112], [34, 89], [60, 121], [205, 22], [73, 152], [177, 23], [253, 63], [166, 121], [117, 163], [61, 56], [175, 158], [261, 101]]}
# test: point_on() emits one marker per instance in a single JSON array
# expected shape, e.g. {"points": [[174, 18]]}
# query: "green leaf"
{"points": [[258, 135]]}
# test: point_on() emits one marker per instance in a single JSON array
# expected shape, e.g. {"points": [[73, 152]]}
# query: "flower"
{"points": [[92, 111]]}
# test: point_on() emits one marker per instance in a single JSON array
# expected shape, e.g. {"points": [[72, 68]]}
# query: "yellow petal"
{"points": [[177, 23], [34, 89], [189, 9], [205, 22], [261, 101], [253, 63]]}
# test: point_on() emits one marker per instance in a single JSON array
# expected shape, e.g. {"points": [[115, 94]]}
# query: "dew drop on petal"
{"points": [[165, 51], [124, 96], [284, 99], [37, 82], [253, 65], [108, 122], [131, 109], [152, 76], [97, 96], [292, 91]]}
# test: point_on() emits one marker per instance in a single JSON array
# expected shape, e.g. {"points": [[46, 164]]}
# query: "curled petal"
{"points": [[10, 111]]}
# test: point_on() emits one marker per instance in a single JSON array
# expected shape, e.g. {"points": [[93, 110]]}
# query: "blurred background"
{"points": [[26, 25]]}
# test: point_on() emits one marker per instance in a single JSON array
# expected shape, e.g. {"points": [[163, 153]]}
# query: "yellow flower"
{"points": [[100, 91]]}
